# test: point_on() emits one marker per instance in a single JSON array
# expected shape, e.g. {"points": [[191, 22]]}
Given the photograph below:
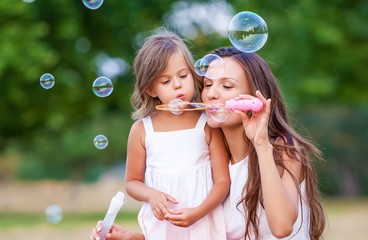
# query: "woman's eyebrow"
{"points": [[229, 78]]}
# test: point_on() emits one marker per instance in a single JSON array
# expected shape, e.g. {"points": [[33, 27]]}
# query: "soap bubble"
{"points": [[102, 86], [177, 106], [218, 112], [100, 141], [248, 32], [212, 66], [54, 213], [92, 4], [47, 81], [197, 67]]}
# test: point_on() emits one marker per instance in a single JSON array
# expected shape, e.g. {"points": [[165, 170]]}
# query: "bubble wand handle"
{"points": [[115, 205], [254, 104]]}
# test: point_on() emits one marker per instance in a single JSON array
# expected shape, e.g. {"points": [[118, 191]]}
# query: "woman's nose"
{"points": [[212, 93]]}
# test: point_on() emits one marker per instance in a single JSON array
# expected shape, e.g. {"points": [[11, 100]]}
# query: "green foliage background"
{"points": [[317, 49]]}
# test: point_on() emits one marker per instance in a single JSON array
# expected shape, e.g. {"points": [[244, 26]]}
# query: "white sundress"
{"points": [[178, 163], [234, 215]]}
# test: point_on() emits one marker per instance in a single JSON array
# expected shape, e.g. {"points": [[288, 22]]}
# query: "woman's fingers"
{"points": [[99, 226], [261, 97], [244, 96]]}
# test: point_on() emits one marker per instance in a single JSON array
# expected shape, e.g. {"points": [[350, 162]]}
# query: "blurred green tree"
{"points": [[317, 50]]}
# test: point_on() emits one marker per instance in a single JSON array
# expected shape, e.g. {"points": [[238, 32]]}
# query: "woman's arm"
{"points": [[221, 182], [280, 194]]}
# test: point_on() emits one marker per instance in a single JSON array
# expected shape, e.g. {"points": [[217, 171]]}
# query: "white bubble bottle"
{"points": [[116, 203]]}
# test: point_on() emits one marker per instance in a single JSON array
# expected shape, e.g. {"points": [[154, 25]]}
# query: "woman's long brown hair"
{"points": [[284, 139]]}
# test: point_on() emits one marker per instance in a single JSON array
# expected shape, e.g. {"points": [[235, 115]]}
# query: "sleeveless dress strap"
{"points": [[202, 121], [147, 123]]}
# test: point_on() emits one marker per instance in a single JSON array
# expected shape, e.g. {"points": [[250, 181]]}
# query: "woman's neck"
{"points": [[237, 143]]}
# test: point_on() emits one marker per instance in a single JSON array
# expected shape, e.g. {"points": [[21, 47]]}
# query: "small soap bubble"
{"points": [[197, 67], [54, 214], [218, 112], [47, 81], [177, 106], [248, 32], [102, 86], [93, 4], [212, 66], [100, 141]]}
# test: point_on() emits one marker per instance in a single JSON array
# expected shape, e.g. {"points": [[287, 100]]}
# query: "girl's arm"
{"points": [[280, 194], [221, 182], [135, 171]]}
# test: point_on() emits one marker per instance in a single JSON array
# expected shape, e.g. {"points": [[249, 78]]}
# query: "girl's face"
{"points": [[176, 81], [232, 83]]}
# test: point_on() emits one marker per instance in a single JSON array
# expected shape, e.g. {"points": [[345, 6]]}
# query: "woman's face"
{"points": [[232, 83]]}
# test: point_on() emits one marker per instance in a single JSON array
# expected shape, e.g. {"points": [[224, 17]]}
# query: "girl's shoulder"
{"points": [[137, 134], [137, 127]]}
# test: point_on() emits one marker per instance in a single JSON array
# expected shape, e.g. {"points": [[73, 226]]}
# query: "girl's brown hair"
{"points": [[150, 62], [283, 138]]}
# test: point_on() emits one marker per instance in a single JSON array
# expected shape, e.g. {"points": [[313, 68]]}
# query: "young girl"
{"points": [[271, 169], [175, 163]]}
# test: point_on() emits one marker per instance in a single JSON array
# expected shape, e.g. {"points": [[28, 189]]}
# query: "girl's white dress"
{"points": [[234, 214], [178, 163]]}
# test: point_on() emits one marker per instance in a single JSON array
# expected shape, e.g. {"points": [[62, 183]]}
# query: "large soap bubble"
{"points": [[248, 32]]}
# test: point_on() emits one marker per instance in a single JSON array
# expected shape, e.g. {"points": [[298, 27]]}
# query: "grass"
{"points": [[347, 219], [18, 226], [15, 220]]}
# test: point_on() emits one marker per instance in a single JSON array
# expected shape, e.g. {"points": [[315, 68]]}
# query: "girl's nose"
{"points": [[177, 83]]}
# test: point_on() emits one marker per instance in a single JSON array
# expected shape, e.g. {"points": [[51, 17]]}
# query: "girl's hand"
{"points": [[159, 203], [184, 217], [256, 126]]}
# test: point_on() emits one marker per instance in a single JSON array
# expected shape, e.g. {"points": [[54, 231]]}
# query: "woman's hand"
{"points": [[116, 233], [256, 125]]}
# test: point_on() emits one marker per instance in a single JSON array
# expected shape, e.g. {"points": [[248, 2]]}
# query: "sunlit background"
{"points": [[63, 142]]}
